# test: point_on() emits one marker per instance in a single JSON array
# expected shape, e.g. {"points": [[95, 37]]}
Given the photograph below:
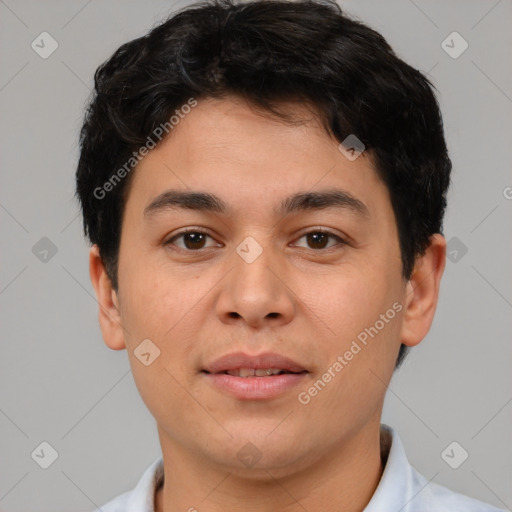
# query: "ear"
{"points": [[109, 316], [422, 291]]}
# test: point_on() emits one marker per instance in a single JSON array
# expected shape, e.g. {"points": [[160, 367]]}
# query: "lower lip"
{"points": [[255, 388]]}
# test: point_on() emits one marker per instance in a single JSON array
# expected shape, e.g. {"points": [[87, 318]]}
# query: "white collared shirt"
{"points": [[401, 488]]}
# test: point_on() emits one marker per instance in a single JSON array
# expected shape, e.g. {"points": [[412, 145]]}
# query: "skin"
{"points": [[320, 456]]}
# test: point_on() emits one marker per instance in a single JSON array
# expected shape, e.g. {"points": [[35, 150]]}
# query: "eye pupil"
{"points": [[194, 238], [314, 238]]}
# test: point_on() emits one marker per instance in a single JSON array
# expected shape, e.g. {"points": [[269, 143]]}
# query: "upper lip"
{"points": [[238, 360]]}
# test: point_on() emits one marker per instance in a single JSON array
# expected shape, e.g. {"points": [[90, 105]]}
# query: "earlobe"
{"points": [[422, 292], [109, 315]]}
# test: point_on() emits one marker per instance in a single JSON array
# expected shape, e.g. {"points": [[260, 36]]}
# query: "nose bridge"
{"points": [[254, 290], [253, 270]]}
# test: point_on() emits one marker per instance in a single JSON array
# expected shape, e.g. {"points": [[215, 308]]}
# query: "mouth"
{"points": [[258, 377], [257, 372], [261, 365]]}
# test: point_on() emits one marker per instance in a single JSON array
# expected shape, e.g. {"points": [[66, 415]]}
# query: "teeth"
{"points": [[252, 372], [265, 372]]}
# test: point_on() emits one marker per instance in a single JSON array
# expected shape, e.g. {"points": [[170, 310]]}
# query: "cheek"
{"points": [[158, 307], [155, 300], [350, 304], [345, 301]]}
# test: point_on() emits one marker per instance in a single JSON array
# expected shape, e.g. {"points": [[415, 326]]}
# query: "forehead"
{"points": [[248, 158]]}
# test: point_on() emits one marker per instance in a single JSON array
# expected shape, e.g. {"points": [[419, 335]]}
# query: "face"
{"points": [[259, 276]]}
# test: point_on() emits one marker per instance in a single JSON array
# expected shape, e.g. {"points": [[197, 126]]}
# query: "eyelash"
{"points": [[200, 232]]}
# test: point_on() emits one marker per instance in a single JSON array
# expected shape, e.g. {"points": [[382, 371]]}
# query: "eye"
{"points": [[193, 240], [319, 239]]}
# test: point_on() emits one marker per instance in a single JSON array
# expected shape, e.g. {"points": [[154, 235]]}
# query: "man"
{"points": [[264, 185]]}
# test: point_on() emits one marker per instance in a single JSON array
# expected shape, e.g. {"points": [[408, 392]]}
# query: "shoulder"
{"points": [[141, 497], [403, 487], [438, 498], [118, 504]]}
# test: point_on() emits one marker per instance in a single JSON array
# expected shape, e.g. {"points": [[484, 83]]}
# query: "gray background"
{"points": [[59, 383]]}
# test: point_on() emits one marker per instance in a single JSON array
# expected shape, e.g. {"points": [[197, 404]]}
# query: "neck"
{"points": [[344, 480]]}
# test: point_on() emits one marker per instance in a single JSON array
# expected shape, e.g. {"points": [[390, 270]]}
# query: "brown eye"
{"points": [[191, 240], [319, 240]]}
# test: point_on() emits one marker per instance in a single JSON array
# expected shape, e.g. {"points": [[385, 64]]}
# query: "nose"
{"points": [[256, 292]]}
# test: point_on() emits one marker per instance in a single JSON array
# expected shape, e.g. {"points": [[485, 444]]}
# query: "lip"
{"points": [[254, 388], [241, 360]]}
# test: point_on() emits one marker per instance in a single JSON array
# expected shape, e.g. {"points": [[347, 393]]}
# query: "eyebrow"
{"points": [[302, 201]]}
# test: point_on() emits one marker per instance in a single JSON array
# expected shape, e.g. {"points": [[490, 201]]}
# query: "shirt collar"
{"points": [[396, 486], [142, 498]]}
